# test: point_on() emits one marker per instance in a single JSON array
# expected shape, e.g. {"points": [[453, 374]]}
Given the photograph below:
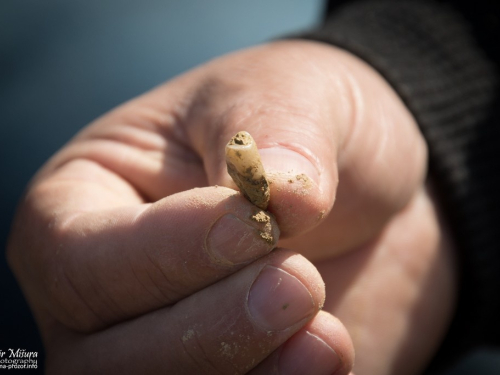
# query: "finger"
{"points": [[322, 347], [226, 328], [142, 142], [104, 266], [315, 126]]}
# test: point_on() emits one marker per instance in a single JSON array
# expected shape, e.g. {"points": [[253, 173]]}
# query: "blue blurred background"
{"points": [[63, 63]]}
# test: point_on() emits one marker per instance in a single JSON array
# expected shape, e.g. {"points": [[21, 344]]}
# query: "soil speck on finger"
{"points": [[263, 217]]}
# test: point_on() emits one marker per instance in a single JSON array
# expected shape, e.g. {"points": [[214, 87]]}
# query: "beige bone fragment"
{"points": [[245, 168]]}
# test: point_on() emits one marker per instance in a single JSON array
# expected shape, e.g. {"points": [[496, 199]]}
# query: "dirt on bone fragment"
{"points": [[241, 138], [246, 169]]}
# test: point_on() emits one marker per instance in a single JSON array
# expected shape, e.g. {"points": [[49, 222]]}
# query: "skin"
{"points": [[110, 244]]}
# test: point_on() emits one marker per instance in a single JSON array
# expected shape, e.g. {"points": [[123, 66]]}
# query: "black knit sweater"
{"points": [[442, 57]]}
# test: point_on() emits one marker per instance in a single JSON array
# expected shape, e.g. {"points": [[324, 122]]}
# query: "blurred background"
{"points": [[64, 63]]}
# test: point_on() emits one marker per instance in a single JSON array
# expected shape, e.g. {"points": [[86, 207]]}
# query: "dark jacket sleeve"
{"points": [[442, 58]]}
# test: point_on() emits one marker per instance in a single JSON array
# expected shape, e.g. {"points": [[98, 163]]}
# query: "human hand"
{"points": [[114, 279], [129, 269]]}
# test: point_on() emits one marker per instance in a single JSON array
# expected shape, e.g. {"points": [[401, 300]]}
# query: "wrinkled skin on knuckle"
{"points": [[37, 251], [28, 250]]}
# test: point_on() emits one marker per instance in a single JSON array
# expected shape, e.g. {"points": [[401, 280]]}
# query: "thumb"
{"points": [[328, 128], [293, 132]]}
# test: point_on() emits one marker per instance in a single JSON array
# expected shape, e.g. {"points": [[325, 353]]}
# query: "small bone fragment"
{"points": [[245, 168]]}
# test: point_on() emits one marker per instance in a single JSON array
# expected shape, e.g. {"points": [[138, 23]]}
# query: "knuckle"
{"points": [[29, 238], [38, 252]]}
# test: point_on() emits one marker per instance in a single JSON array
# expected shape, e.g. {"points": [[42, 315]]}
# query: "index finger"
{"points": [[94, 267]]}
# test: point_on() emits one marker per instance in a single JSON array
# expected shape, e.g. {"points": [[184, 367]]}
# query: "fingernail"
{"points": [[231, 240], [306, 353], [278, 300], [288, 162]]}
